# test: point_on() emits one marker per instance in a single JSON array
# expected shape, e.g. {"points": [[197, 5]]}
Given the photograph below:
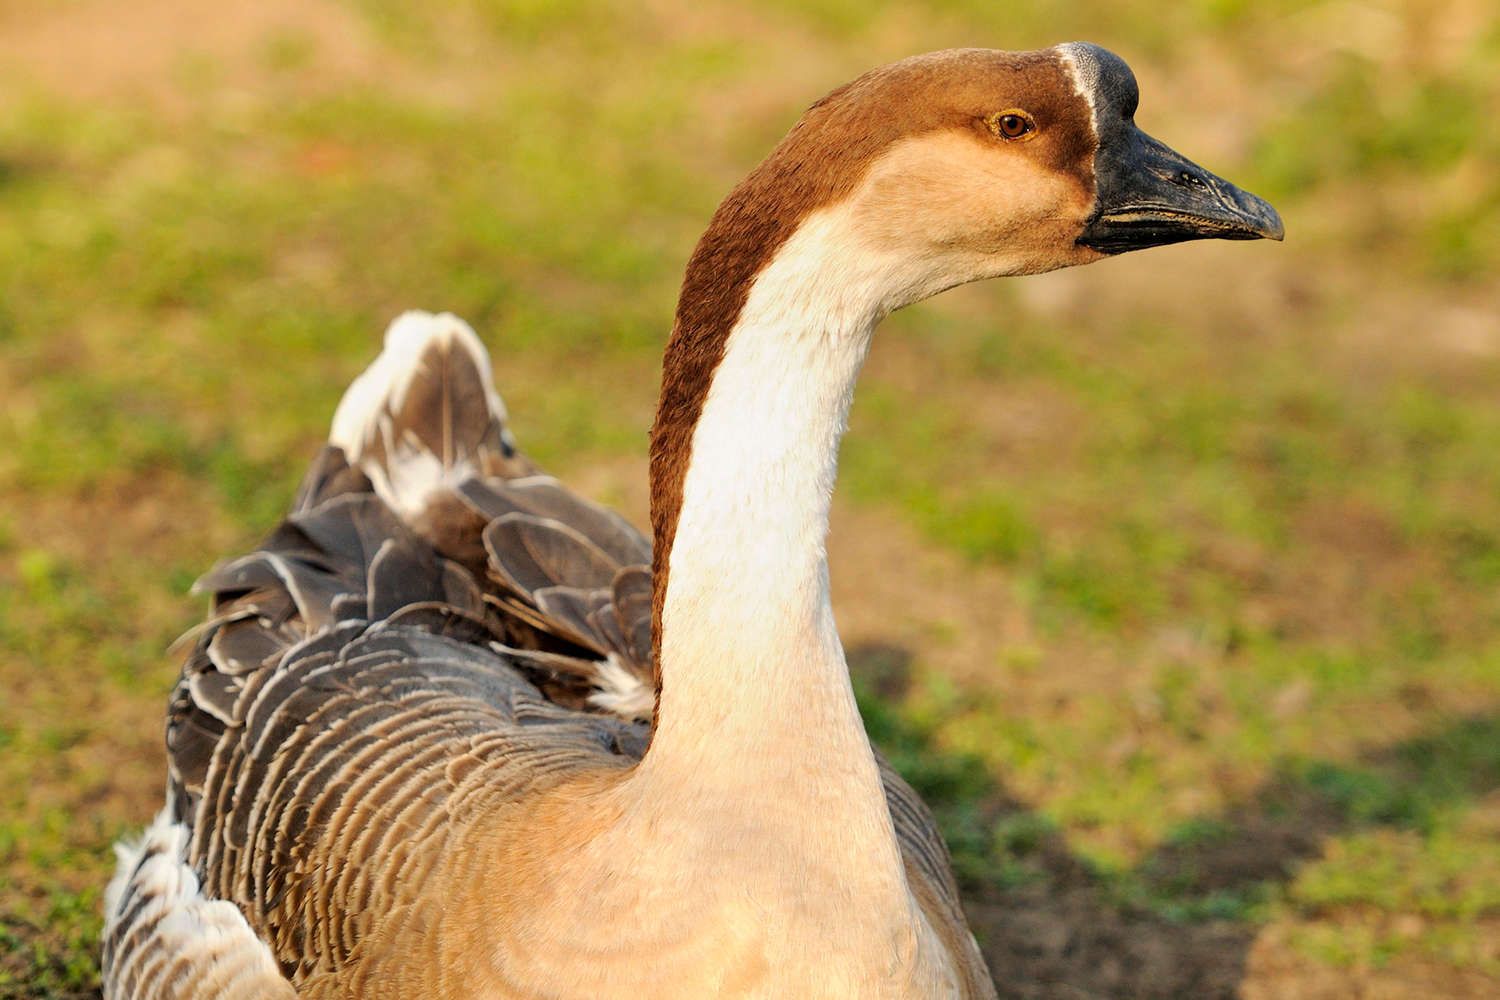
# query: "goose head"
{"points": [[966, 164], [924, 174]]}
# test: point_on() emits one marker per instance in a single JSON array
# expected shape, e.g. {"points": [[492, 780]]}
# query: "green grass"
{"points": [[1234, 510]]}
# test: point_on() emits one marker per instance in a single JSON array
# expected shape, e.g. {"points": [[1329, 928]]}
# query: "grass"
{"points": [[1202, 643]]}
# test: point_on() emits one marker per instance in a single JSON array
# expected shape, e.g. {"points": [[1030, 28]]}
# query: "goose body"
{"points": [[453, 731]]}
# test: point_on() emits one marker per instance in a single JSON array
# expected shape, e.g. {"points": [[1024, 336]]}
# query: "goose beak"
{"points": [[1149, 195]]}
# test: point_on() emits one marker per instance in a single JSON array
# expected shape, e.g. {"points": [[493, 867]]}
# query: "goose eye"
{"points": [[1012, 124]]}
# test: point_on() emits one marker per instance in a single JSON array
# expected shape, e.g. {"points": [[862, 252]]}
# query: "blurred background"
{"points": [[1173, 582]]}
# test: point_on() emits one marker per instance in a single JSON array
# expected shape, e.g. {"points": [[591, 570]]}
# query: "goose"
{"points": [[454, 731]]}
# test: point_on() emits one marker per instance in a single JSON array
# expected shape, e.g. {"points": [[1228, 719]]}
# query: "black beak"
{"points": [[1149, 195]]}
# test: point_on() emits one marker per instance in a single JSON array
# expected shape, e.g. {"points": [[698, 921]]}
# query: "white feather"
{"points": [[1080, 62], [409, 472], [623, 692], [178, 943]]}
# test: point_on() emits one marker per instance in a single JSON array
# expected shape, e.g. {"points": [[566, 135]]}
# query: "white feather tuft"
{"points": [[404, 472], [178, 944], [623, 692]]}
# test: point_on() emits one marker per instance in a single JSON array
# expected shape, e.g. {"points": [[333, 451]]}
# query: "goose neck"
{"points": [[755, 695]]}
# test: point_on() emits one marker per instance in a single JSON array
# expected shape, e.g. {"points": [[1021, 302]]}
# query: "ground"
{"points": [[1171, 582]]}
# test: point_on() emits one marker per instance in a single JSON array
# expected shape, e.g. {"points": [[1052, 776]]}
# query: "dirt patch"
{"points": [[101, 50], [888, 587], [32, 966], [1061, 944], [1276, 971]]}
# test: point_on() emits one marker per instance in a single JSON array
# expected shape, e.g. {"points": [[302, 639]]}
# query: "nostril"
{"points": [[1189, 179]]}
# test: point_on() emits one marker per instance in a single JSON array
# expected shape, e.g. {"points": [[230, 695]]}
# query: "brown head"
{"points": [[953, 166], [985, 163]]}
